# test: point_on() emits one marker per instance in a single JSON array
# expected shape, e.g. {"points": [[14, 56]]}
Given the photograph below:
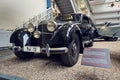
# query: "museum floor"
{"points": [[43, 68]]}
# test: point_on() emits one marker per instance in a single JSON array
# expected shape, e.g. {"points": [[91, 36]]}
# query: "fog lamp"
{"points": [[37, 34]]}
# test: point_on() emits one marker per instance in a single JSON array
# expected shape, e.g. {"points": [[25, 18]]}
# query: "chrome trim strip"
{"points": [[46, 33], [60, 49], [56, 49], [65, 49]]}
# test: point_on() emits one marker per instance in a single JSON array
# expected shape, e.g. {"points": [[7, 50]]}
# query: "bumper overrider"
{"points": [[37, 49]]}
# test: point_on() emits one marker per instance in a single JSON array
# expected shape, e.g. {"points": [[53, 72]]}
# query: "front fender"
{"points": [[21, 38], [63, 35], [15, 35]]}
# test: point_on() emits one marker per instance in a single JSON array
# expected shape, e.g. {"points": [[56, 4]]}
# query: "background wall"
{"points": [[104, 12], [4, 38], [14, 12]]}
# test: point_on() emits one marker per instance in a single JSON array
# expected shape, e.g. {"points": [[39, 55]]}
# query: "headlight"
{"points": [[51, 26], [37, 34], [30, 27]]}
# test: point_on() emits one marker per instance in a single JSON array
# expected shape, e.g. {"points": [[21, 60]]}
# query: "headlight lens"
{"points": [[51, 26], [30, 27], [37, 34]]}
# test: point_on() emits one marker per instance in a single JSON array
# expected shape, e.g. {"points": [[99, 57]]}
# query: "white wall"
{"points": [[107, 20], [95, 2], [107, 15], [15, 12], [104, 12], [4, 38], [106, 8]]}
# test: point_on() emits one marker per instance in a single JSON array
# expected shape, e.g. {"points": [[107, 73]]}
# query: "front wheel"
{"points": [[71, 58], [23, 55]]}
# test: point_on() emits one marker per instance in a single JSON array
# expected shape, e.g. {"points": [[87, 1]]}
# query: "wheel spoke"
{"points": [[74, 49]]}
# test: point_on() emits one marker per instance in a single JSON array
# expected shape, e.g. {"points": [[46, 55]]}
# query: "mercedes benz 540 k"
{"points": [[66, 35]]}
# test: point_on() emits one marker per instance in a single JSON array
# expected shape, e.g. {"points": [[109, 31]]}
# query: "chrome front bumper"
{"points": [[47, 50]]}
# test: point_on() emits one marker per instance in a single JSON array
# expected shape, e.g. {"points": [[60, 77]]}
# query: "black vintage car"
{"points": [[66, 35]]}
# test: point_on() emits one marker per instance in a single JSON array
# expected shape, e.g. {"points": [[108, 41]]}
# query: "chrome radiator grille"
{"points": [[45, 35]]}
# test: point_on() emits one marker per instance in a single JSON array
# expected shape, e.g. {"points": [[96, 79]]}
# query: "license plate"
{"points": [[31, 49]]}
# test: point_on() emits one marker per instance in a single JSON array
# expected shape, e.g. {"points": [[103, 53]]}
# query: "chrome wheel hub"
{"points": [[74, 49]]}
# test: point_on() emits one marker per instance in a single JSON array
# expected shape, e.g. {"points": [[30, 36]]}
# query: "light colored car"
{"points": [[108, 33]]}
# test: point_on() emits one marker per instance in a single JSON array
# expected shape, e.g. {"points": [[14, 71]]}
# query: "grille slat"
{"points": [[45, 35]]}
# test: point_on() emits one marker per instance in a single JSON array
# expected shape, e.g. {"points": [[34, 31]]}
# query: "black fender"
{"points": [[17, 38], [14, 38], [63, 35]]}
